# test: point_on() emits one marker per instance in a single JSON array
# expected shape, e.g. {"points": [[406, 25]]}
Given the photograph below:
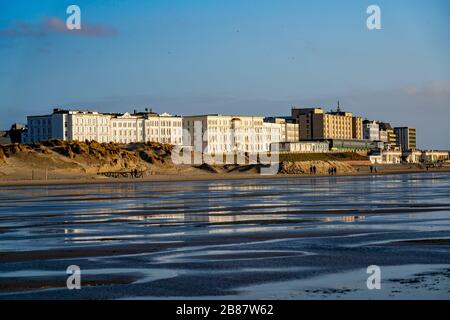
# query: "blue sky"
{"points": [[229, 56]]}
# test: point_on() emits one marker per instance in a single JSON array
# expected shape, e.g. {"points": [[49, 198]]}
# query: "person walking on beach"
{"points": [[314, 169], [371, 169], [311, 170]]}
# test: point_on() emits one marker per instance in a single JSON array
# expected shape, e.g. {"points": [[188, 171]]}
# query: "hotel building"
{"points": [[316, 124], [70, 125], [232, 134]]}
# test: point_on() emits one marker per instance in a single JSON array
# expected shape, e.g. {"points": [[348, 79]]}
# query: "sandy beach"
{"points": [[61, 163], [203, 176]]}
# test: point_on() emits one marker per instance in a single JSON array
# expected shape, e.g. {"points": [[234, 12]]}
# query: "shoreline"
{"points": [[204, 177]]}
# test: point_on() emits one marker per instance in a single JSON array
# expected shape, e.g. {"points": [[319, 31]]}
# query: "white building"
{"points": [[411, 156], [371, 130], [432, 156], [386, 157], [304, 147], [218, 134], [289, 130], [70, 125]]}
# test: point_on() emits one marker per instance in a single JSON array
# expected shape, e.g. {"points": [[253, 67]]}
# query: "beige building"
{"points": [[230, 134], [289, 130], [316, 124], [357, 128], [388, 136]]}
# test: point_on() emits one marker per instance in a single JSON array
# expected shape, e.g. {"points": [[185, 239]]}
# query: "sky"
{"points": [[241, 57]]}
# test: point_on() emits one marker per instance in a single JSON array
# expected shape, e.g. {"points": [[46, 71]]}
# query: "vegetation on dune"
{"points": [[321, 167], [91, 157], [3, 154], [93, 154]]}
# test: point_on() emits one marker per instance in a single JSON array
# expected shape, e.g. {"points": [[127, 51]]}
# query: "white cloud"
{"points": [[432, 89]]}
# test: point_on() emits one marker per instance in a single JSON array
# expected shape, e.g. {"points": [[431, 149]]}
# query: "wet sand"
{"points": [[307, 238], [204, 176], [22, 284]]}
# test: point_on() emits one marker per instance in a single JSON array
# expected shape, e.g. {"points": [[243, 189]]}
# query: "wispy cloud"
{"points": [[54, 25], [433, 89]]}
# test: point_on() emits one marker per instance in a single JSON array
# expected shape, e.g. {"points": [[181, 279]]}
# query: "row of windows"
{"points": [[34, 131], [166, 123], [119, 139], [93, 121], [240, 130], [90, 130], [163, 131], [226, 123], [229, 148], [125, 124], [40, 122]]}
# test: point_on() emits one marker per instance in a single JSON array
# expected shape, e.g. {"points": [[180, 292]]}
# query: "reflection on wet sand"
{"points": [[192, 233]]}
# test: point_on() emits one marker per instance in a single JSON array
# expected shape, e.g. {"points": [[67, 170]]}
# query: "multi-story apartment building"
{"points": [[387, 135], [357, 128], [406, 138], [371, 130], [316, 124], [230, 134], [384, 136], [73, 125], [289, 129]]}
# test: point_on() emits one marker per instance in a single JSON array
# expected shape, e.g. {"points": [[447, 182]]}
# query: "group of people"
{"points": [[373, 169], [135, 173], [332, 171]]}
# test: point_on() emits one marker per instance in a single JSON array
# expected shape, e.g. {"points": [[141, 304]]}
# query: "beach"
{"points": [[361, 170], [62, 162], [265, 238]]}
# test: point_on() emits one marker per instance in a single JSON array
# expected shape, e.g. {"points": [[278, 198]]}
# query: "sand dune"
{"points": [[69, 162]]}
